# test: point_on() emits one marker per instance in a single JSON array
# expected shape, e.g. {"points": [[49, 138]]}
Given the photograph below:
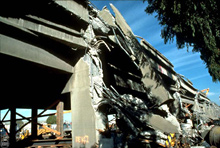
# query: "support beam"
{"points": [[33, 123], [40, 115], [83, 115], [12, 135], [60, 118], [32, 53], [5, 115]]}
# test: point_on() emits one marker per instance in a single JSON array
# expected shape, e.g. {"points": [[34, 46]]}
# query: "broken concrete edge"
{"points": [[34, 28], [155, 52], [106, 16], [75, 8]]}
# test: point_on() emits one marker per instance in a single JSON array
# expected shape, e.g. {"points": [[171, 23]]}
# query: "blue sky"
{"points": [[27, 113], [186, 63]]}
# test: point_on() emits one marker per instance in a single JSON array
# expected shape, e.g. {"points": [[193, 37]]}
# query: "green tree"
{"points": [[51, 120], [194, 23]]}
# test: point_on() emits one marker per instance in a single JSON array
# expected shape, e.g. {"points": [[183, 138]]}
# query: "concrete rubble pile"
{"points": [[130, 81], [161, 111]]}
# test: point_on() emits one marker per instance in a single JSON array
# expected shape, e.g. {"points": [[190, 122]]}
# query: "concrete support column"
{"points": [[33, 123], [83, 116], [12, 138], [60, 118]]}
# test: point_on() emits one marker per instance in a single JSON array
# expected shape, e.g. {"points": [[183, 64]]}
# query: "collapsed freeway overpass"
{"points": [[68, 55]]}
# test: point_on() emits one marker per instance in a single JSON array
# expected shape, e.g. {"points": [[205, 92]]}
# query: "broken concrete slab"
{"points": [[71, 40], [121, 22], [153, 82], [75, 8], [99, 26], [107, 17], [161, 124]]}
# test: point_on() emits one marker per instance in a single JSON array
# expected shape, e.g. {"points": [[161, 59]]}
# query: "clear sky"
{"points": [[27, 113], [186, 63]]}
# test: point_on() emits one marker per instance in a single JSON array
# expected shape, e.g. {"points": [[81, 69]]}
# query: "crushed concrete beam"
{"points": [[188, 86], [163, 70], [163, 125], [75, 8], [156, 53], [128, 83], [121, 22], [153, 82], [55, 26], [31, 53], [107, 17], [99, 26], [74, 41]]}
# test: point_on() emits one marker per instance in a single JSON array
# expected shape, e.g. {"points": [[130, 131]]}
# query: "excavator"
{"points": [[207, 91], [45, 130]]}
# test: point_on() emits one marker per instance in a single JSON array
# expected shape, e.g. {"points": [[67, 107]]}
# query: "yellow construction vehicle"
{"points": [[171, 140], [44, 130], [24, 134], [207, 91], [47, 131]]}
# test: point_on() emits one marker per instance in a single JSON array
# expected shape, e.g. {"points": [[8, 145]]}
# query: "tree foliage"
{"points": [[194, 23], [51, 120]]}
